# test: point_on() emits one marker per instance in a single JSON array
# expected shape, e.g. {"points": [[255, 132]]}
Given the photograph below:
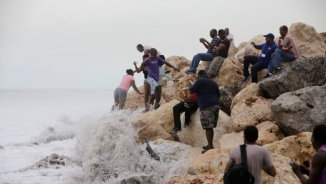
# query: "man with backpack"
{"points": [[256, 157]]}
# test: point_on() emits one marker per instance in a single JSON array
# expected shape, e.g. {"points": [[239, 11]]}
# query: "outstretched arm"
{"points": [[133, 84], [209, 45], [256, 46], [138, 70], [169, 65]]}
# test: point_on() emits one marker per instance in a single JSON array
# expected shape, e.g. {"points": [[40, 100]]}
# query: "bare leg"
{"points": [[147, 92], [116, 102], [121, 104], [158, 94], [151, 101], [210, 136]]}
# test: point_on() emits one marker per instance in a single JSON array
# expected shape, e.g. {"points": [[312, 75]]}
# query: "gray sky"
{"points": [[89, 44]]}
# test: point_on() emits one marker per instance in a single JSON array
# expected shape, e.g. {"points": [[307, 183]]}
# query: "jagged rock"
{"points": [[247, 49], [53, 161], [194, 179], [308, 42], [227, 94], [268, 133], [156, 124], [301, 110], [249, 91], [134, 100], [233, 50], [195, 136], [297, 74], [179, 62], [323, 36], [242, 45], [251, 111], [230, 74]]}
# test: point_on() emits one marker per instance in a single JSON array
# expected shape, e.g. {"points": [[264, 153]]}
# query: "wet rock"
{"points": [[251, 111], [155, 124], [227, 94], [195, 136], [54, 161], [194, 179], [301, 110], [308, 42], [295, 75]]}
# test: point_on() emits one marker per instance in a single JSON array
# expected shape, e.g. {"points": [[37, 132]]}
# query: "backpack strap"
{"points": [[244, 155]]}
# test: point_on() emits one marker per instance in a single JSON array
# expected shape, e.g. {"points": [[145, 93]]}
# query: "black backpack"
{"points": [[239, 174]]}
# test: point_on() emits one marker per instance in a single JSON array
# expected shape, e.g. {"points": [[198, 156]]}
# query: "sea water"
{"points": [[95, 145]]}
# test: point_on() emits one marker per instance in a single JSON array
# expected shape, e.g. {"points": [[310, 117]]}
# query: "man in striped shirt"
{"points": [[204, 56]]}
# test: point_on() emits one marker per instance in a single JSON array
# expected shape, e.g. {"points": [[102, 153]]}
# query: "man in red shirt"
{"points": [[188, 106]]}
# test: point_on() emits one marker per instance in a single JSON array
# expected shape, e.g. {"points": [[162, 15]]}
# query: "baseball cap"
{"points": [[221, 31], [270, 35]]}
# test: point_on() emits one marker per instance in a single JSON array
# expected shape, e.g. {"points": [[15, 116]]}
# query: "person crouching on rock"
{"points": [[208, 95], [120, 93], [188, 106], [153, 64]]}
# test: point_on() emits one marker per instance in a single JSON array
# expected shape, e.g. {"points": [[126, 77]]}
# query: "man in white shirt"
{"points": [[229, 36]]}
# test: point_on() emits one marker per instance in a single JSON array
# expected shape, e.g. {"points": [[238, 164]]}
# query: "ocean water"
{"points": [[70, 136]]}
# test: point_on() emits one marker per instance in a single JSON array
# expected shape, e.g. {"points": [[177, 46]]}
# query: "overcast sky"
{"points": [[90, 44]]}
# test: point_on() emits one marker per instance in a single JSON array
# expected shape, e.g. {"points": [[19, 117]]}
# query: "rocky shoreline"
{"points": [[284, 107]]}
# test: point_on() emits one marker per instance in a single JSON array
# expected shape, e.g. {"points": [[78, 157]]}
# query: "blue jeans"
{"points": [[197, 58], [279, 56]]}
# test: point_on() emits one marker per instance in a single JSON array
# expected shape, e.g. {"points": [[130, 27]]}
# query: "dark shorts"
{"points": [[209, 117], [120, 94]]}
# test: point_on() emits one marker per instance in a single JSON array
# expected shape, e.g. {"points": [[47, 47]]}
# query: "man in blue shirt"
{"points": [[261, 62], [204, 56], [208, 95]]}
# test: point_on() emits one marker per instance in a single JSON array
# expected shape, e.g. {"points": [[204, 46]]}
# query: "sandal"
{"points": [[204, 151], [205, 147]]}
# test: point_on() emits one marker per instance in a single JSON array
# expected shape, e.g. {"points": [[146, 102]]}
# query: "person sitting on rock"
{"points": [[159, 87], [261, 62], [286, 52], [120, 93], [258, 158], [204, 56], [229, 36], [188, 106], [220, 52], [208, 95], [153, 63], [317, 172]]}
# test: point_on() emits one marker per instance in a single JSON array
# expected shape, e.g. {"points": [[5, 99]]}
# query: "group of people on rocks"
{"points": [[205, 94]]}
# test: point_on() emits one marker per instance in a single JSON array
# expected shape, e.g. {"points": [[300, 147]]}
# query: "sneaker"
{"points": [[190, 72], [156, 106], [277, 70], [245, 79], [267, 75], [175, 130]]}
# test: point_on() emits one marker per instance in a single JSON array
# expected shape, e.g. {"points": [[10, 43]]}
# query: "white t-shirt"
{"points": [[147, 47], [231, 36]]}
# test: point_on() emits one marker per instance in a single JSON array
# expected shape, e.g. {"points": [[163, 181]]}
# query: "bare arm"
{"points": [[256, 46], [208, 44], [138, 70], [133, 84], [169, 65], [270, 171], [219, 48]]}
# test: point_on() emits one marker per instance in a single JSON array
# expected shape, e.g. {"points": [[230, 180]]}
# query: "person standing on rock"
{"points": [[204, 56], [258, 158], [229, 36], [286, 52], [153, 63], [220, 52], [208, 95], [120, 93], [262, 61], [188, 106], [317, 172]]}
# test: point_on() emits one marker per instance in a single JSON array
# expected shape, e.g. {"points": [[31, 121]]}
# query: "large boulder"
{"points": [[195, 136], [260, 74], [323, 36], [134, 100], [249, 91], [155, 124], [230, 74], [233, 50], [297, 74], [246, 48], [268, 133], [251, 111], [179, 62], [227, 94], [301, 110], [308, 42]]}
